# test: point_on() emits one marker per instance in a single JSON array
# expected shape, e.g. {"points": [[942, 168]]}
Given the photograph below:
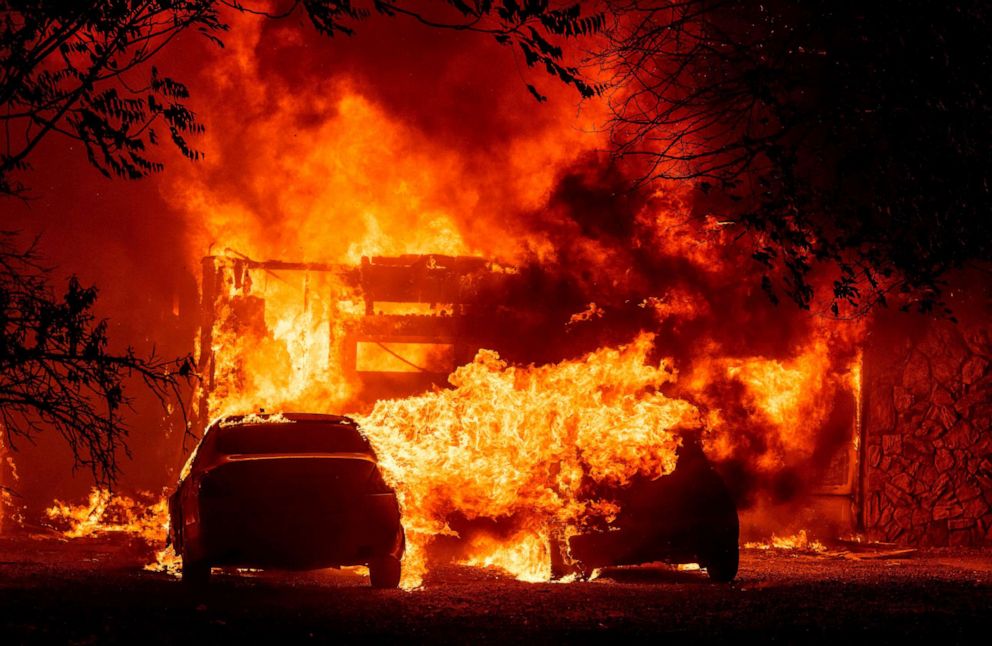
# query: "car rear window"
{"points": [[298, 437]]}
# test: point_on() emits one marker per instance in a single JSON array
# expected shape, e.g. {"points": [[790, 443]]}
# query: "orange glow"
{"points": [[9, 513], [405, 357], [282, 355], [106, 513], [790, 398], [677, 304], [517, 442], [167, 562], [359, 180], [524, 556], [800, 541], [787, 394], [855, 376], [593, 311]]}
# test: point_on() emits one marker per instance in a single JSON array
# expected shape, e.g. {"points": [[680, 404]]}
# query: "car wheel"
{"points": [[196, 572], [384, 572], [722, 564]]}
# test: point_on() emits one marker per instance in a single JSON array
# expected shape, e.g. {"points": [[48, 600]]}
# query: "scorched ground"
{"points": [[94, 590]]}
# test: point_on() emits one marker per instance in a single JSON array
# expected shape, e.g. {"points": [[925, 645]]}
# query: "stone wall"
{"points": [[927, 420]]}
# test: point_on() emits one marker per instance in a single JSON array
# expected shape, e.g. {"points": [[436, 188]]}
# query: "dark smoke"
{"points": [[464, 94]]}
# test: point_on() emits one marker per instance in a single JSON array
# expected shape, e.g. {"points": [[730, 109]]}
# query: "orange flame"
{"points": [[107, 513], [517, 442], [9, 512], [800, 541], [332, 176], [789, 398], [525, 556]]}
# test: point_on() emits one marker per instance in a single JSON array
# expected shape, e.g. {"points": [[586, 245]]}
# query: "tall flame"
{"points": [[334, 172], [520, 443]]}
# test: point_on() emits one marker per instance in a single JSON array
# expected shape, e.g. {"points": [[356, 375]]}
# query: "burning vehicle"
{"points": [[537, 470], [288, 491], [686, 516]]}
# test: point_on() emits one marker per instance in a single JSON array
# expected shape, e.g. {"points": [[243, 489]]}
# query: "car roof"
{"points": [[209, 436], [263, 418]]}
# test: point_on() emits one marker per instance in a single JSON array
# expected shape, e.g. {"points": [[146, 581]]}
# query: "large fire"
{"points": [[520, 443], [512, 442]]}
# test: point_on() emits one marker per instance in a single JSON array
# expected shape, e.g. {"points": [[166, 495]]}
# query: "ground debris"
{"points": [[54, 591], [869, 550]]}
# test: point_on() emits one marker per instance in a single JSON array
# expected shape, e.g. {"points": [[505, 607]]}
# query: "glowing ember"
{"points": [[592, 312]]}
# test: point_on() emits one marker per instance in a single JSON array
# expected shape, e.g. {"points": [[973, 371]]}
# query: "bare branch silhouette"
{"points": [[838, 137]]}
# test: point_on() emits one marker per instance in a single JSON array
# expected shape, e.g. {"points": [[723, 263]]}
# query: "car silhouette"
{"points": [[687, 516], [288, 491]]}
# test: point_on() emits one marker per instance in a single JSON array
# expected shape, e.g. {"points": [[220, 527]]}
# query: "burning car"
{"points": [[288, 491], [688, 516]]}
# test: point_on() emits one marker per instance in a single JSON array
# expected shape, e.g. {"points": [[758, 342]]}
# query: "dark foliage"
{"points": [[78, 69], [57, 371], [847, 137]]}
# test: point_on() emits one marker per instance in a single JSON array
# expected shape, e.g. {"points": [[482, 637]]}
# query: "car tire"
{"points": [[384, 572], [722, 564], [196, 572]]}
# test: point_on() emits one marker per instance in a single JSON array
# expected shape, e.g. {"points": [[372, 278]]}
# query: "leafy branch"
{"points": [[57, 371]]}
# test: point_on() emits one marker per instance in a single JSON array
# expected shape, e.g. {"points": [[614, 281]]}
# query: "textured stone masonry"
{"points": [[928, 435]]}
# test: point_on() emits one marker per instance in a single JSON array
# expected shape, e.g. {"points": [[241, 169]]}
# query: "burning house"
{"points": [[519, 320], [394, 326], [887, 427]]}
